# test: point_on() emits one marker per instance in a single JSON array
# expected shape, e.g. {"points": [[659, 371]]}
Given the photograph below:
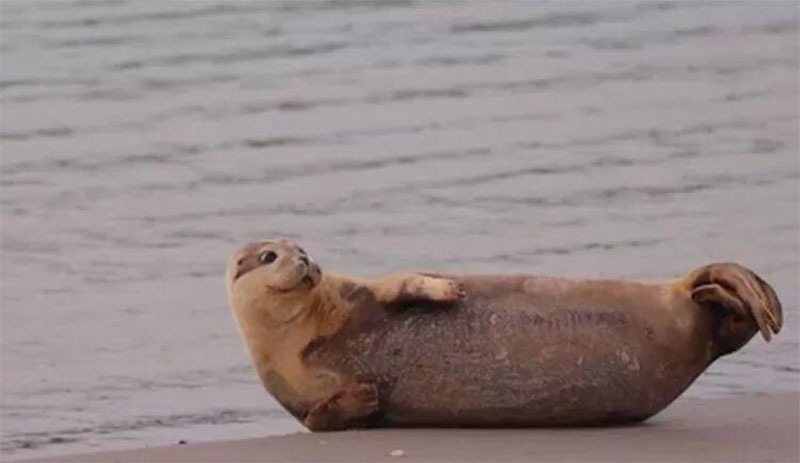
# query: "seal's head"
{"points": [[269, 275]]}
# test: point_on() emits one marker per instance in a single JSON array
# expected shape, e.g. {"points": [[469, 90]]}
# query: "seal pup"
{"points": [[413, 349]]}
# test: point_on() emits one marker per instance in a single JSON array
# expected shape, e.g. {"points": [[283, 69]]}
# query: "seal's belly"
{"points": [[556, 353]]}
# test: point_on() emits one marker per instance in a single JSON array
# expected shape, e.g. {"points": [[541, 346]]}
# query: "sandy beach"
{"points": [[758, 429]]}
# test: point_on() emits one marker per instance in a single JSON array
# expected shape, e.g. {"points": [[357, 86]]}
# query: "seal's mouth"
{"points": [[303, 284], [311, 276]]}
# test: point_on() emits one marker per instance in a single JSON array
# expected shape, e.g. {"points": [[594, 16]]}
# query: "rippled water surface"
{"points": [[142, 141]]}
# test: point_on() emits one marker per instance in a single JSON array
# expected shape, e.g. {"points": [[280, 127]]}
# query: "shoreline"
{"points": [[757, 428]]}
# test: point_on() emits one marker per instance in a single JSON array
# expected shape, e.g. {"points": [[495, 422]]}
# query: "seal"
{"points": [[419, 349]]}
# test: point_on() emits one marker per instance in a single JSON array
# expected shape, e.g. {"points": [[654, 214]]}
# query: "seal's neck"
{"points": [[328, 310]]}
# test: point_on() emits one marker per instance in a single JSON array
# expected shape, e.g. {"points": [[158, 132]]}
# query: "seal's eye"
{"points": [[268, 257]]}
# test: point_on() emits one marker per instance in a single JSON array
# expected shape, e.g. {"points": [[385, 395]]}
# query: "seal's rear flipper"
{"points": [[738, 290]]}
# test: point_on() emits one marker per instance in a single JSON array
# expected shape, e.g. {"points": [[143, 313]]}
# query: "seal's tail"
{"points": [[734, 288]]}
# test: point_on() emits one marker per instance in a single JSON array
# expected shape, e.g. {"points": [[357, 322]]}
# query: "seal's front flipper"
{"points": [[349, 407], [750, 301], [400, 288], [436, 289]]}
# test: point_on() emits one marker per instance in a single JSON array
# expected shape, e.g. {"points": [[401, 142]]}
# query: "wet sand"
{"points": [[763, 428]]}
